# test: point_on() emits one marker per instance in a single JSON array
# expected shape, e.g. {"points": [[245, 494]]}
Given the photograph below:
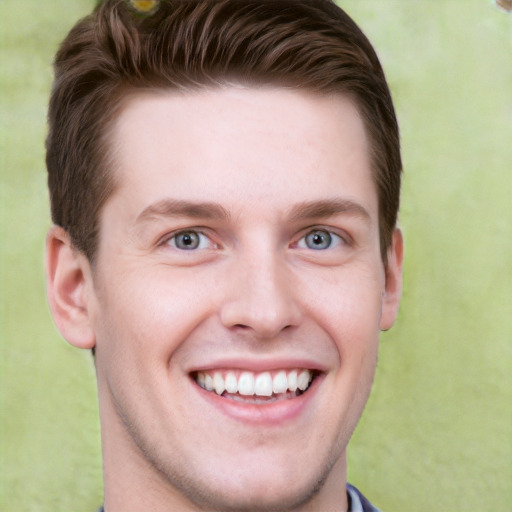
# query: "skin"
{"points": [[272, 166]]}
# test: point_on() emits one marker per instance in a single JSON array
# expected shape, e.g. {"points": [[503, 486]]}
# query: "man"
{"points": [[224, 179]]}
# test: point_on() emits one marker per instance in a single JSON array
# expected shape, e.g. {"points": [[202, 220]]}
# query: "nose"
{"points": [[261, 297]]}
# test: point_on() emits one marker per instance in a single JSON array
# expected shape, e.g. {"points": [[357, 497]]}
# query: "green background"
{"points": [[437, 432]]}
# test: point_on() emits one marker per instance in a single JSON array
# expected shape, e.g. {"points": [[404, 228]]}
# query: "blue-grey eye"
{"points": [[186, 240], [190, 240], [318, 239]]}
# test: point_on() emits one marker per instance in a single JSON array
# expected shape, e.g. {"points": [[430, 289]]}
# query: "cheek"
{"points": [[151, 314], [141, 325], [348, 304]]}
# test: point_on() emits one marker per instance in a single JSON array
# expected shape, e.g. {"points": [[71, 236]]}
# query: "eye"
{"points": [[190, 240], [319, 240]]}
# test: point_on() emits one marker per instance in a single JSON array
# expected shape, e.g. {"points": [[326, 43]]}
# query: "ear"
{"points": [[68, 279], [393, 289]]}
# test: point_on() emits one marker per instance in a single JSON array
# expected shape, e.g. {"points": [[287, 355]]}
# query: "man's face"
{"points": [[240, 250]]}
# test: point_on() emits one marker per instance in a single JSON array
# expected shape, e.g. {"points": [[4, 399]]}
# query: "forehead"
{"points": [[240, 144]]}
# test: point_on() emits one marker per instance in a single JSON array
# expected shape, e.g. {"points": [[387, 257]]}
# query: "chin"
{"points": [[255, 498], [260, 489]]}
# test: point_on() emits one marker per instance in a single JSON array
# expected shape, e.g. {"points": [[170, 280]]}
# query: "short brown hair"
{"points": [[188, 44]]}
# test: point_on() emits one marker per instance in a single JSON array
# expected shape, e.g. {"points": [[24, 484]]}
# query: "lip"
{"points": [[271, 414], [259, 366]]}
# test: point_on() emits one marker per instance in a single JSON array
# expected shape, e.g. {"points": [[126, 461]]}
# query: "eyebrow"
{"points": [[179, 208], [207, 210], [328, 208]]}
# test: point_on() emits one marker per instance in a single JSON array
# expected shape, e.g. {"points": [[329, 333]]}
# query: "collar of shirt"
{"points": [[357, 502]]}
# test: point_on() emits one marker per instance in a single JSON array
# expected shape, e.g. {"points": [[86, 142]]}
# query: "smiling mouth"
{"points": [[256, 388]]}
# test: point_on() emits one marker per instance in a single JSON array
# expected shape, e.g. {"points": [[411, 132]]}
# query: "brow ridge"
{"points": [[209, 210], [182, 208], [328, 208]]}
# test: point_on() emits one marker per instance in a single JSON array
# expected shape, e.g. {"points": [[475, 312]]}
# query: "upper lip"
{"points": [[259, 365]]}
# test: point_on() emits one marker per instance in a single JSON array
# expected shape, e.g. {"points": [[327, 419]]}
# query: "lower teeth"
{"points": [[260, 400]]}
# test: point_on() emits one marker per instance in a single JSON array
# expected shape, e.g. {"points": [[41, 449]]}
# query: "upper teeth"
{"points": [[248, 383]]}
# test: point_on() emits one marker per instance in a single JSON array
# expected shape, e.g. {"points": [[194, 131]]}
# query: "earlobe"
{"points": [[393, 290], [67, 276]]}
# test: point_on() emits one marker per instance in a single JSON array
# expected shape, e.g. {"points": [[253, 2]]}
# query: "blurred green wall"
{"points": [[437, 432]]}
